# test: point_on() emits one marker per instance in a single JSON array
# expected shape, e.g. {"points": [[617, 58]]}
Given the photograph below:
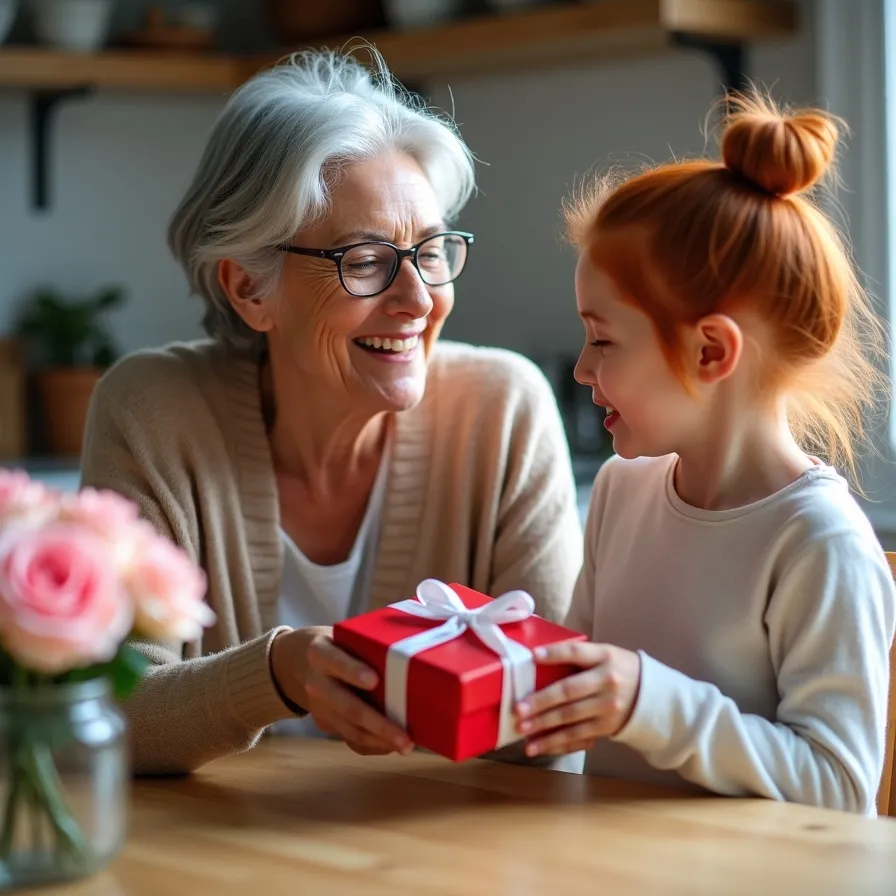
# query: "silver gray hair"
{"points": [[270, 162]]}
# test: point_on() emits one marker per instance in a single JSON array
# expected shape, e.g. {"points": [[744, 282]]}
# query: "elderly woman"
{"points": [[322, 452]]}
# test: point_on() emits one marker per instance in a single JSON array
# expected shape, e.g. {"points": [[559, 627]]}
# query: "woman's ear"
{"points": [[719, 344], [239, 287]]}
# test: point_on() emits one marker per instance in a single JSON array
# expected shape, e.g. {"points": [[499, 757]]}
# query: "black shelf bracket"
{"points": [[729, 58], [43, 103]]}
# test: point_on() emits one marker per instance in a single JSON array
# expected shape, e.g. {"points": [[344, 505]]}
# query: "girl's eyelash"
{"points": [[600, 342]]}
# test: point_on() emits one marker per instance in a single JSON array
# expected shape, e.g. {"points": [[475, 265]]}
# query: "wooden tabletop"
{"points": [[302, 817]]}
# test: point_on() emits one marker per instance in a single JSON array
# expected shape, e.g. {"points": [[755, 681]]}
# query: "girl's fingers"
{"points": [[569, 690], [566, 740], [566, 715], [578, 653]]}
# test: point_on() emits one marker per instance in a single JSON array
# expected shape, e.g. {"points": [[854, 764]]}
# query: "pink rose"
{"points": [[168, 590], [109, 515], [62, 604], [24, 501]]}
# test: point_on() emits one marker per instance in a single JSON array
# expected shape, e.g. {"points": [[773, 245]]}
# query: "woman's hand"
{"points": [[582, 707], [311, 671]]}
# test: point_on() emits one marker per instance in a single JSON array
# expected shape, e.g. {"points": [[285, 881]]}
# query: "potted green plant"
{"points": [[70, 346]]}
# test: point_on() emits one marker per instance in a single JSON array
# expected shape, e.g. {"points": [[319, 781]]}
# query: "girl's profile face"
{"points": [[649, 412]]}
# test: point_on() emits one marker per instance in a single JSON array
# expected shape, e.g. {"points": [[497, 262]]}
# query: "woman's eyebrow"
{"points": [[358, 236]]}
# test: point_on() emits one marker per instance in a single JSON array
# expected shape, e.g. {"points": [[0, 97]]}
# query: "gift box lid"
{"points": [[464, 673]]}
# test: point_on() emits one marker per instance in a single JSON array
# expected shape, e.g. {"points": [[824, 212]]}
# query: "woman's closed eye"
{"points": [[359, 266], [601, 343]]}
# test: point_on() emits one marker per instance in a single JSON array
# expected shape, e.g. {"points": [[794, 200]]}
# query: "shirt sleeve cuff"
{"points": [[251, 691], [652, 719]]}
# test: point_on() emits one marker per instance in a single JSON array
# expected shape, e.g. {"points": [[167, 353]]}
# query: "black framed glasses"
{"points": [[367, 269]]}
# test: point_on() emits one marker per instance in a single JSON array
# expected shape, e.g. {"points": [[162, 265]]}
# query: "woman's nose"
{"points": [[409, 293]]}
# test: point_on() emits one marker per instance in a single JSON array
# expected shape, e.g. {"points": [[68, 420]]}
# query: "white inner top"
{"points": [[311, 594]]}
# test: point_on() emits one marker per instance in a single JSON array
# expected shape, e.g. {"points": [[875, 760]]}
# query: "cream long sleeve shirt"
{"points": [[764, 634]]}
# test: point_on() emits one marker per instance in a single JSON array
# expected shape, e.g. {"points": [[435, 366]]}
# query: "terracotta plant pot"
{"points": [[295, 21], [13, 414], [65, 393]]}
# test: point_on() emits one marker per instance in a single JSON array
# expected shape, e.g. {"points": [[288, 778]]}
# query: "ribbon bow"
{"points": [[436, 600]]}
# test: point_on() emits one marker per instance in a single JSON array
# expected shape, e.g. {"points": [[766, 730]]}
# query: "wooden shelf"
{"points": [[549, 36], [560, 35], [533, 38], [136, 70]]}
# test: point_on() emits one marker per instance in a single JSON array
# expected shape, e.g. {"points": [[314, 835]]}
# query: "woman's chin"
{"points": [[401, 394]]}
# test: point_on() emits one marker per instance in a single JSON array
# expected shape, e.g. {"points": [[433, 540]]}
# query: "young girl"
{"points": [[741, 607]]}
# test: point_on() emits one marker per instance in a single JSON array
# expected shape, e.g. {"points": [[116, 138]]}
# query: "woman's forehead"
{"points": [[379, 195]]}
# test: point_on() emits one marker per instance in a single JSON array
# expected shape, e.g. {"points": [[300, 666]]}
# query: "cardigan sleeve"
{"points": [[186, 711]]}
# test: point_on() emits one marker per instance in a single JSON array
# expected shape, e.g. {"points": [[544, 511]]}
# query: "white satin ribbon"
{"points": [[438, 601]]}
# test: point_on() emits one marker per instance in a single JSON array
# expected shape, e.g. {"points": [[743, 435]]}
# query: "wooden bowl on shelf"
{"points": [[294, 21], [158, 33]]}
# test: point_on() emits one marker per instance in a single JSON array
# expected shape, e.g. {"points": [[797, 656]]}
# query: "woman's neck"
{"points": [[746, 457], [320, 442]]}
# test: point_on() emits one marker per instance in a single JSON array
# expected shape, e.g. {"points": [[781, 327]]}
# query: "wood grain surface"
{"points": [[303, 817]]}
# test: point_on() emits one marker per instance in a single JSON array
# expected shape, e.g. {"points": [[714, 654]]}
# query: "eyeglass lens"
{"points": [[369, 268]]}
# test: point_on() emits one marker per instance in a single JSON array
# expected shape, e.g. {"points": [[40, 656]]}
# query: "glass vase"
{"points": [[64, 782]]}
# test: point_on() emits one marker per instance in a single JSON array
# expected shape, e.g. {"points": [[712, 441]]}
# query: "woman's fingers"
{"points": [[327, 658], [339, 705], [323, 725], [354, 737], [364, 729]]}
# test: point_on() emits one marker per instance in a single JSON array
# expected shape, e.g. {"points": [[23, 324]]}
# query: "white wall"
{"points": [[119, 163], [542, 131]]}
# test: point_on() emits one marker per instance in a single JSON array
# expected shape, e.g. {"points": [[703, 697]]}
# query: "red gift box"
{"points": [[454, 689]]}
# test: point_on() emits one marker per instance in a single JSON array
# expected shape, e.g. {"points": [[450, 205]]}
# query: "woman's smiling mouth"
{"points": [[396, 349]]}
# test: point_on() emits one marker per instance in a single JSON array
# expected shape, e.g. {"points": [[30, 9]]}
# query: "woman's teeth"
{"points": [[609, 410], [398, 346]]}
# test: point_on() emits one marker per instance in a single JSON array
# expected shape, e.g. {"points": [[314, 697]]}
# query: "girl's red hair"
{"points": [[689, 239]]}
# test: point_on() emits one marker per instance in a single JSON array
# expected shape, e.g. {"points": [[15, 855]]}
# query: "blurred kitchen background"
{"points": [[105, 106]]}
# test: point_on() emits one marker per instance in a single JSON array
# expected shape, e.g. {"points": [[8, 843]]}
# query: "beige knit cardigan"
{"points": [[480, 491]]}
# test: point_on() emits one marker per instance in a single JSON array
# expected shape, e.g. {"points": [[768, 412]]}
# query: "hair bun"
{"points": [[780, 153]]}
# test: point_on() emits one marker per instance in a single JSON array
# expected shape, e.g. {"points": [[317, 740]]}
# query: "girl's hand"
{"points": [[583, 707]]}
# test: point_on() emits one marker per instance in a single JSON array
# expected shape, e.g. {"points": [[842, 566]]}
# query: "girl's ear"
{"points": [[719, 343], [239, 287]]}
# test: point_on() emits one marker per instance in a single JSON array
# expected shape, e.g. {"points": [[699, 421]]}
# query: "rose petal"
{"points": [[62, 605]]}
